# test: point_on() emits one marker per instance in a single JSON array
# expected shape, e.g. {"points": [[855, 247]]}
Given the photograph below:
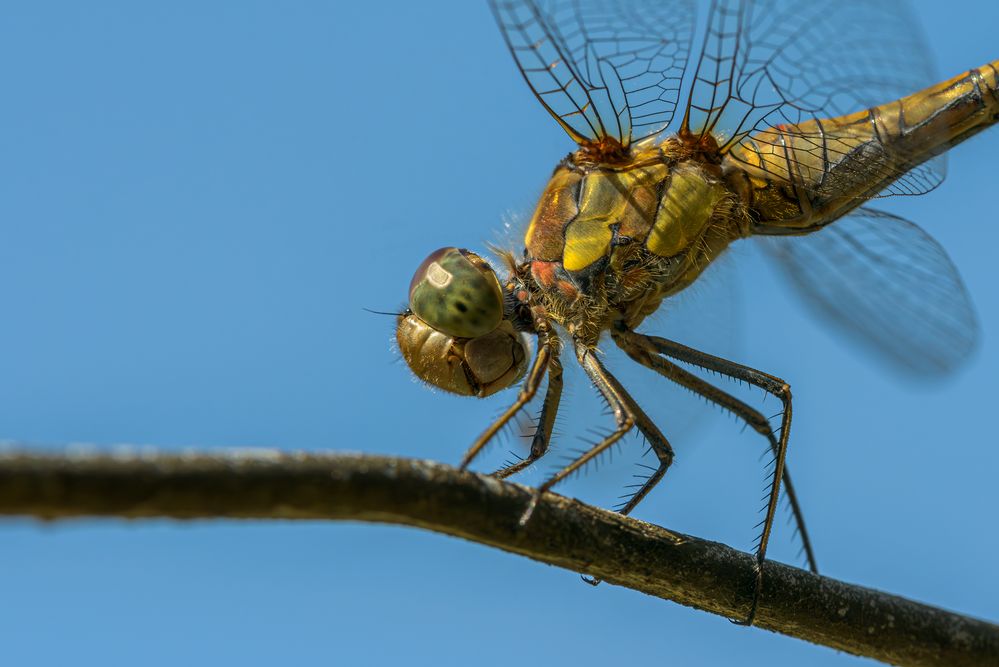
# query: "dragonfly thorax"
{"points": [[609, 242]]}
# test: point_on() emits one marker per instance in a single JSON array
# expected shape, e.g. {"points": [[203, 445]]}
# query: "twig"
{"points": [[694, 572]]}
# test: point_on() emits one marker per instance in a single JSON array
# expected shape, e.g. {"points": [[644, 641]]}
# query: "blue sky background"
{"points": [[197, 200]]}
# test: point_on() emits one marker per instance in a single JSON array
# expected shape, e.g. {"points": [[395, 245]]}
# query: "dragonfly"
{"points": [[767, 118]]}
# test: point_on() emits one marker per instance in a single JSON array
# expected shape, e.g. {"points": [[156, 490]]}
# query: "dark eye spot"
{"points": [[460, 305]]}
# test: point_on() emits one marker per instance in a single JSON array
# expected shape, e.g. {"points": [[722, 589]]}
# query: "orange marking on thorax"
{"points": [[568, 290], [544, 273]]}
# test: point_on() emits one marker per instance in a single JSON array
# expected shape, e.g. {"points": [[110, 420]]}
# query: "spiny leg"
{"points": [[527, 392], [657, 441], [768, 383], [546, 421], [628, 415], [752, 417], [646, 350]]}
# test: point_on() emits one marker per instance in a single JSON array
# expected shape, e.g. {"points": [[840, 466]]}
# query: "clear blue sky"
{"points": [[197, 200]]}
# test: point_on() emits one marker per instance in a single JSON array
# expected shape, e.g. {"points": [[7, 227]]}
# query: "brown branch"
{"points": [[563, 532]]}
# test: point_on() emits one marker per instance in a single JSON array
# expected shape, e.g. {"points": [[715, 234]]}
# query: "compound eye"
{"points": [[457, 293]]}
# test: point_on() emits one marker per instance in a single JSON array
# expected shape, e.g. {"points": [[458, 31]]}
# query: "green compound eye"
{"points": [[457, 293]]}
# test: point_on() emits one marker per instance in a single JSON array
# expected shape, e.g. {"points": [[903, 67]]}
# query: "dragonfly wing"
{"points": [[601, 68], [780, 63], [888, 284]]}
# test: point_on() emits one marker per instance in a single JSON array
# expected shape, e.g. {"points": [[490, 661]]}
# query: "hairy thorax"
{"points": [[609, 242]]}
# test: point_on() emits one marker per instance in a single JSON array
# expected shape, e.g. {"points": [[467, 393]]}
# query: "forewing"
{"points": [[773, 63], [889, 284], [602, 68]]}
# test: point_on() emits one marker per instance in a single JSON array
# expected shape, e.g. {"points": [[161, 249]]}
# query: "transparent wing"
{"points": [[780, 63], [602, 68], [887, 283]]}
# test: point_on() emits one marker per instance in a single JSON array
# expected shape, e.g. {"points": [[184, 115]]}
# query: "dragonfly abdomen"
{"points": [[806, 175]]}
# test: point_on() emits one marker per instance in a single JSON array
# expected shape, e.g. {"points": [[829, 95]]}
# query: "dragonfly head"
{"points": [[454, 334]]}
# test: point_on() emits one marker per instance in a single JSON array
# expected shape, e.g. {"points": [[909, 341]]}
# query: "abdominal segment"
{"points": [[803, 176]]}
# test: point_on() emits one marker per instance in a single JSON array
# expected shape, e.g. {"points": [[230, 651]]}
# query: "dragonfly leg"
{"points": [[628, 415], [548, 347], [752, 417], [546, 421], [650, 350]]}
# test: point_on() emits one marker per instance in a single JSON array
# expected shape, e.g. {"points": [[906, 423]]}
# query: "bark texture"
{"points": [[264, 484]]}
